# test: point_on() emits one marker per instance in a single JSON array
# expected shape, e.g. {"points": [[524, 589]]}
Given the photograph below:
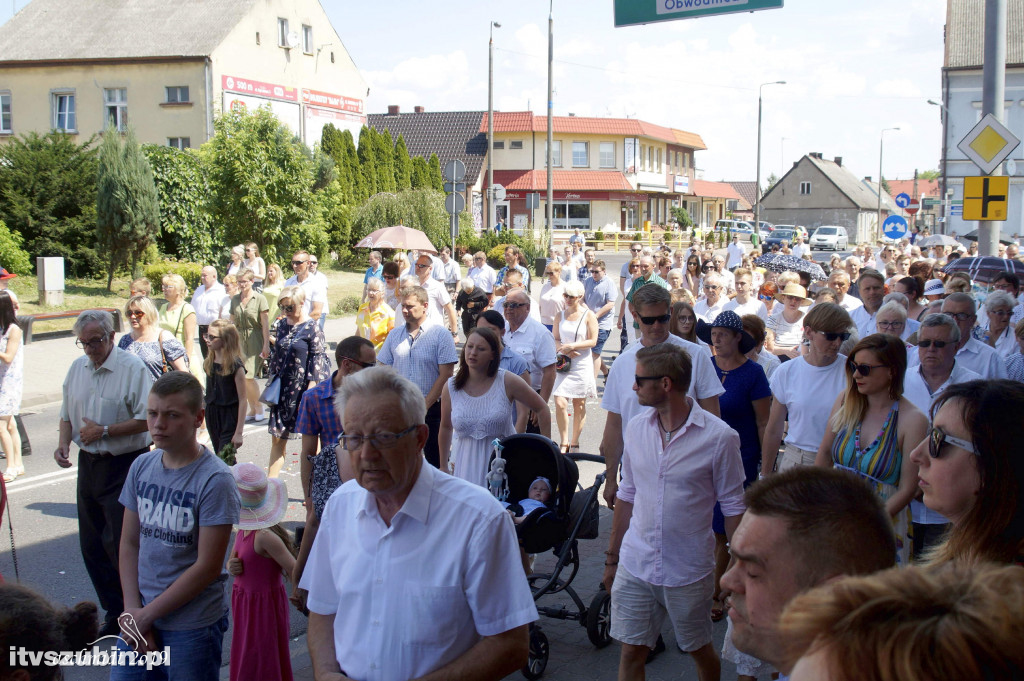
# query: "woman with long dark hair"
{"points": [[873, 402], [476, 407], [971, 470], [12, 353]]}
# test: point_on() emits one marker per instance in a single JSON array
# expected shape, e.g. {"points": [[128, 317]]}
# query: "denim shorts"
{"points": [[602, 336], [195, 655]]}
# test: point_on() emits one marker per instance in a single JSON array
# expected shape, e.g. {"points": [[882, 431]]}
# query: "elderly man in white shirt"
{"points": [[653, 304], [972, 353], [375, 612], [799, 247], [208, 301], [482, 274], [714, 300], [528, 338], [677, 463], [839, 281]]}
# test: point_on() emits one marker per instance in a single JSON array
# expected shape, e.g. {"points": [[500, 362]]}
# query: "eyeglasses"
{"points": [[423, 266], [296, 263], [169, 287], [890, 325], [649, 321], [961, 316], [385, 440], [711, 287], [388, 277], [862, 369], [640, 379], [477, 259], [210, 337], [136, 314], [926, 343], [314, 262], [90, 344], [1001, 313], [569, 297], [634, 250], [763, 297], [594, 271], [938, 436], [831, 335], [364, 365], [286, 308], [508, 305]]}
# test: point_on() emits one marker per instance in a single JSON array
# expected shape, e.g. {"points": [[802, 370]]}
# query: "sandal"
{"points": [[717, 610], [12, 473]]}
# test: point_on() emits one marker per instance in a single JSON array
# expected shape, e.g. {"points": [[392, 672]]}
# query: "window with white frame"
{"points": [[607, 154], [177, 94], [179, 142], [580, 155], [556, 153], [650, 158], [282, 32], [805, 188], [64, 116], [115, 106], [5, 113], [515, 144], [307, 39]]}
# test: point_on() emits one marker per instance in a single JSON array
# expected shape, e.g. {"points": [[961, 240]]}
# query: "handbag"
{"points": [[166, 366], [563, 363], [271, 394]]}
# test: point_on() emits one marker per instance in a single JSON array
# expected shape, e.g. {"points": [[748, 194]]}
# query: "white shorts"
{"points": [[639, 610], [793, 456]]}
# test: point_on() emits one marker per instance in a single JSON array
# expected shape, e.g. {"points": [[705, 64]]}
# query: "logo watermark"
{"points": [[96, 655]]}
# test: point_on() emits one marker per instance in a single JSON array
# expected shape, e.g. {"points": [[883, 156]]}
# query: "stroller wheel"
{"points": [[539, 652], [599, 619]]}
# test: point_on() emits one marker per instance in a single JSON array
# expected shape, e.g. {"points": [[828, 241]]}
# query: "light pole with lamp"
{"points": [[757, 184], [490, 128], [878, 220]]}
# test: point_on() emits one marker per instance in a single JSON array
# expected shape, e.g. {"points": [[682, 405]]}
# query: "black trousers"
{"points": [[100, 518], [433, 420], [202, 339]]}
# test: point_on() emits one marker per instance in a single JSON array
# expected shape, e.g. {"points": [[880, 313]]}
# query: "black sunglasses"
{"points": [[296, 263], [640, 379], [831, 335], [663, 318], [938, 436], [364, 365], [937, 343], [513, 306], [286, 308], [862, 369]]}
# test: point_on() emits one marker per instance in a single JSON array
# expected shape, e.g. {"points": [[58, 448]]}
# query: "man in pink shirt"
{"points": [[677, 462]]}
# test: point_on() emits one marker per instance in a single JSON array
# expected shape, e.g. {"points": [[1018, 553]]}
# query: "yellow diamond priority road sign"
{"points": [[987, 144], [985, 197]]}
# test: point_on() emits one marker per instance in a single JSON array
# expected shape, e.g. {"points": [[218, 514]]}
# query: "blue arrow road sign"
{"points": [[902, 200], [894, 227]]}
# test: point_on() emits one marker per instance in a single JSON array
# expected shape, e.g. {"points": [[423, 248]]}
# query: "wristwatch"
{"points": [[106, 432]]}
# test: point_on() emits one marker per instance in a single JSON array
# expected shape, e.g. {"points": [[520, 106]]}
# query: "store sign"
{"points": [[631, 155], [259, 89], [682, 184], [580, 196], [332, 101]]}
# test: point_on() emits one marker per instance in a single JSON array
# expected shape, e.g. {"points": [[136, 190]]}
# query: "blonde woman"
{"points": [[375, 318], [250, 313], [575, 334], [179, 317], [237, 253], [272, 286], [254, 262], [156, 347], [551, 302], [404, 266]]}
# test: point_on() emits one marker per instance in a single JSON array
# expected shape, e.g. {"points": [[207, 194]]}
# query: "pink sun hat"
{"points": [[264, 500]]}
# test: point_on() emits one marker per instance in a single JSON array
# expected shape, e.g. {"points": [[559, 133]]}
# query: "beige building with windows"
{"points": [[166, 68], [610, 174]]}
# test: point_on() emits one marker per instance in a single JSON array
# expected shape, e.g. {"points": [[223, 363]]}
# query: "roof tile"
{"points": [[525, 121], [564, 180]]}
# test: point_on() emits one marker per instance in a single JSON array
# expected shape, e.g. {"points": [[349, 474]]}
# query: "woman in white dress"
{"points": [[575, 333], [476, 407], [551, 302], [12, 352]]}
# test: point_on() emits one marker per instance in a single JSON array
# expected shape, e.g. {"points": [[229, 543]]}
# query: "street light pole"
{"points": [[878, 220], [757, 184], [943, 182], [549, 208], [490, 128]]}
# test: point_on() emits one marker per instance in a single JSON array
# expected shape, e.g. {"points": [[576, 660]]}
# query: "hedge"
{"points": [[189, 271]]}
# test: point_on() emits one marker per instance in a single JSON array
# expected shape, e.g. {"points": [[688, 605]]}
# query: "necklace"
{"points": [[667, 433]]}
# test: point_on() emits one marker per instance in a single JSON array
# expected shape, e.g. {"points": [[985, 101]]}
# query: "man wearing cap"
{"points": [[417, 573], [677, 463], [180, 504], [653, 305]]}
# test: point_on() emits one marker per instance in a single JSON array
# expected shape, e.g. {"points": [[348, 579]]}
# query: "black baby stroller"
{"points": [[572, 515]]}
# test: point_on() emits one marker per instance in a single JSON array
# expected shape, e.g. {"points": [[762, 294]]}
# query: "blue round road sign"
{"points": [[902, 199], [895, 227]]}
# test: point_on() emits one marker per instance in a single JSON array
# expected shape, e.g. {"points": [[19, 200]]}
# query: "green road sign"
{"points": [[929, 203], [633, 12]]}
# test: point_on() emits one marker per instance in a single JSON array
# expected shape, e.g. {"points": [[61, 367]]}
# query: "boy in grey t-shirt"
{"points": [[180, 505]]}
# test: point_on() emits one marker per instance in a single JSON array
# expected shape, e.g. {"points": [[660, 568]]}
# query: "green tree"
{"points": [[367, 153], [127, 207], [12, 255], [260, 179], [186, 230], [929, 175], [351, 178], [436, 178], [885, 186], [403, 165], [422, 209], [385, 149], [770, 182], [48, 197], [420, 173], [682, 217]]}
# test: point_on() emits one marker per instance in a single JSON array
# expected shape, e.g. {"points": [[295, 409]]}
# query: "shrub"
{"points": [[599, 235], [189, 271], [12, 256], [347, 305], [496, 256]]}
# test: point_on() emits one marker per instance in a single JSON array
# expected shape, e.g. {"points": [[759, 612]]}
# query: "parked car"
{"points": [[765, 227], [738, 228], [778, 236], [830, 236], [794, 228]]}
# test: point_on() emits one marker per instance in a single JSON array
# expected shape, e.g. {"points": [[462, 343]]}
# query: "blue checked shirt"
{"points": [[419, 359], [316, 413]]}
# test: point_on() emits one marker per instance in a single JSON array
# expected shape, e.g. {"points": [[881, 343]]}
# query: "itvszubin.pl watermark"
{"points": [[89, 657]]}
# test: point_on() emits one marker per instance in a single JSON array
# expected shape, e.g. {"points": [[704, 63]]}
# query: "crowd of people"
{"points": [[766, 434]]}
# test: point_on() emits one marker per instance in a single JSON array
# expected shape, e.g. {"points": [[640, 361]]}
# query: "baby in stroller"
{"points": [[536, 503]]}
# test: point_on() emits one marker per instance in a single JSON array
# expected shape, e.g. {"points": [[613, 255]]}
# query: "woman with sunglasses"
{"points": [[766, 293], [145, 338], [250, 313], [551, 302], [872, 403], [476, 407], [375, 319], [391, 281], [299, 359], [235, 264], [693, 278], [575, 334], [999, 335], [971, 470], [804, 390]]}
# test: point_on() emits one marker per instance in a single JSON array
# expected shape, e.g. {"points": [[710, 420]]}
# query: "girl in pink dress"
{"points": [[261, 556]]}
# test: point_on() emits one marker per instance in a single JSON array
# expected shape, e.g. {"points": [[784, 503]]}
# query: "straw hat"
{"points": [[726, 320], [264, 500], [795, 290]]}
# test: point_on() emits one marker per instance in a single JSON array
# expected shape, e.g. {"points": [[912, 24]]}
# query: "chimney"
{"points": [[418, 109], [839, 161], [816, 154], [392, 109], [867, 178]]}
